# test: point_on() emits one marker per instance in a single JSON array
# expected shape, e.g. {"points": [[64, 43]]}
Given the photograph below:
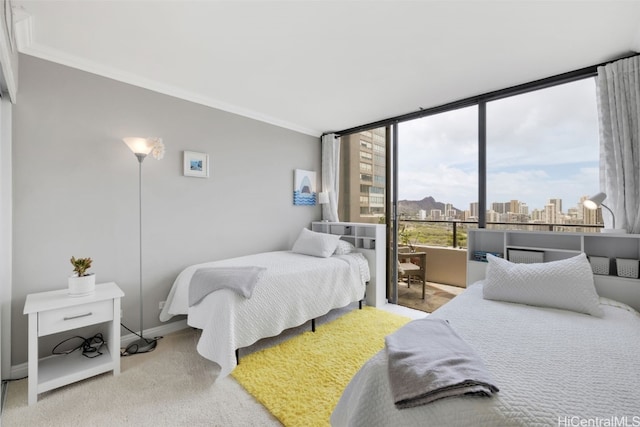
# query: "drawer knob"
{"points": [[78, 316]]}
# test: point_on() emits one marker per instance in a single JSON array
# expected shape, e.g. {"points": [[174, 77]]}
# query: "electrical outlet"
{"points": [[161, 305]]}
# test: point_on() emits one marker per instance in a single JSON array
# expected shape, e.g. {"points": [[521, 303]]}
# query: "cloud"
{"points": [[540, 145]]}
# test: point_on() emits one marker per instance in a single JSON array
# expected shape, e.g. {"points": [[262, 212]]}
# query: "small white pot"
{"points": [[82, 286]]}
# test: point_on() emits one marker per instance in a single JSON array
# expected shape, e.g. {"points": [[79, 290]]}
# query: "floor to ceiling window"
{"points": [[437, 176], [541, 162], [542, 158]]}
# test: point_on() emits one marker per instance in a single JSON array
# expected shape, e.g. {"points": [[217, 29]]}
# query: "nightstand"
{"points": [[55, 311]]}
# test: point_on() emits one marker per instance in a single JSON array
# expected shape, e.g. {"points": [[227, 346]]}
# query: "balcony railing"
{"points": [[450, 233]]}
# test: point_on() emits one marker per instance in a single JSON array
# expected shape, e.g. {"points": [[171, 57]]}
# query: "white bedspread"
{"points": [[294, 289], [553, 368]]}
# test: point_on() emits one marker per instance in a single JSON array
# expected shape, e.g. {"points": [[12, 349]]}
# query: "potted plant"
{"points": [[81, 283], [405, 238]]}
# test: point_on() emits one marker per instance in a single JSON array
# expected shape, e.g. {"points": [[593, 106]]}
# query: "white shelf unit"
{"points": [[370, 240], [56, 311], [557, 246]]}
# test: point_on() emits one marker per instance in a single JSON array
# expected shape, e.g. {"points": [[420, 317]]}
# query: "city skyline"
{"points": [[507, 206]]}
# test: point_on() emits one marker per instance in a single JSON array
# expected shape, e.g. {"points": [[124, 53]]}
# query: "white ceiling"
{"points": [[317, 66]]}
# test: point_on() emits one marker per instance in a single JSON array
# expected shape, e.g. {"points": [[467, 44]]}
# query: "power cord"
{"points": [[133, 347], [90, 346]]}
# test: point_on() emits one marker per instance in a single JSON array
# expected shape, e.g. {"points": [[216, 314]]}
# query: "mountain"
{"points": [[411, 207]]}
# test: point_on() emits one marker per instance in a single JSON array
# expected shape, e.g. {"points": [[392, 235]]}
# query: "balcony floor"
{"points": [[436, 295]]}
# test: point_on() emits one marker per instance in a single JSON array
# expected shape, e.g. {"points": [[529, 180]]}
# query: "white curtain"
{"points": [[618, 87], [330, 175]]}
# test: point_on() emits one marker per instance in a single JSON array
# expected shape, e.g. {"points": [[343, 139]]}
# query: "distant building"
{"points": [[557, 203], [363, 155], [551, 214], [514, 206], [473, 209]]}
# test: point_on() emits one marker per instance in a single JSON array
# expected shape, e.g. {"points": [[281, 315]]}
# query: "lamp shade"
{"points": [[594, 201], [139, 145], [323, 197]]}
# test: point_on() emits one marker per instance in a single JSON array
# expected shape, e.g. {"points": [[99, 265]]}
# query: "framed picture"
{"points": [[304, 188], [196, 164]]}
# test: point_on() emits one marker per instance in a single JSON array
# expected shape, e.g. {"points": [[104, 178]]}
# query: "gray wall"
{"points": [[75, 187]]}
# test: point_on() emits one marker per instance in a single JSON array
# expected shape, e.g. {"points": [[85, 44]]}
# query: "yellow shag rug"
{"points": [[300, 380]]}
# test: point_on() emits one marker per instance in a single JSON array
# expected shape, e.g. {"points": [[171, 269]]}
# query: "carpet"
{"points": [[300, 380], [171, 386]]}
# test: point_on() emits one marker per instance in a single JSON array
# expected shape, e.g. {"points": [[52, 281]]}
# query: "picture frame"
{"points": [[196, 164], [304, 187]]}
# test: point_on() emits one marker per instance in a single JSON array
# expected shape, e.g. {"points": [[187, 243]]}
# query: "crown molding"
{"points": [[26, 45]]}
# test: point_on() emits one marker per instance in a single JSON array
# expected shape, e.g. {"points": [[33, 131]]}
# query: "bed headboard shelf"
{"points": [[370, 240], [556, 246]]}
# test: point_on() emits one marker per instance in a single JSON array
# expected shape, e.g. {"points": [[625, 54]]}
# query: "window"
{"points": [[543, 156], [541, 152], [365, 144], [376, 200], [363, 176], [437, 173]]}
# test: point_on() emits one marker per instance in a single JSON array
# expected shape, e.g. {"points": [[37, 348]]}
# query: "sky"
{"points": [[540, 145]]}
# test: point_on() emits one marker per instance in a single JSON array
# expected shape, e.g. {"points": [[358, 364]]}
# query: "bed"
{"points": [[319, 274], [553, 363]]}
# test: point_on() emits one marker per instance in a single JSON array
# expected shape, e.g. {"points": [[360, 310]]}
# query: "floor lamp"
{"points": [[141, 147]]}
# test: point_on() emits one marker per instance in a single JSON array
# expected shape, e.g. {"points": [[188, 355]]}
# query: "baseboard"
{"points": [[21, 370]]}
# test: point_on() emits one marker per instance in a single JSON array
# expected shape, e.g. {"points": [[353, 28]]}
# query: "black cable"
{"points": [[133, 348], [90, 346], [134, 333]]}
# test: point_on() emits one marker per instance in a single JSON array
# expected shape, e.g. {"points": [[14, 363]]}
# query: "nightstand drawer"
{"points": [[63, 319]]}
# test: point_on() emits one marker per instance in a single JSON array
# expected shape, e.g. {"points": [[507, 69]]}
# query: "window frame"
{"points": [[481, 102]]}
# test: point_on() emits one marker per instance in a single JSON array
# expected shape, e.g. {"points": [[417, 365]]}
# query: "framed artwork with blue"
{"points": [[304, 188], [196, 164]]}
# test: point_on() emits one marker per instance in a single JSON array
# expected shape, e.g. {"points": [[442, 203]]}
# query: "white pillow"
{"points": [[566, 284], [344, 248], [316, 244]]}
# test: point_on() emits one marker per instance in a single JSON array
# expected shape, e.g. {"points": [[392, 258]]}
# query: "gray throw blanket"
{"points": [[241, 280], [428, 361]]}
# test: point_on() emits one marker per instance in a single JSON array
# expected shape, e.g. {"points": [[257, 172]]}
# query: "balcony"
{"points": [[445, 243]]}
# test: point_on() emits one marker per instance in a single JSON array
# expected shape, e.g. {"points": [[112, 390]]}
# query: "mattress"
{"points": [[552, 366], [294, 289]]}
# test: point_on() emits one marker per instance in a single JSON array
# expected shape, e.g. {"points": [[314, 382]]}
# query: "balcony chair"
{"points": [[413, 264]]}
